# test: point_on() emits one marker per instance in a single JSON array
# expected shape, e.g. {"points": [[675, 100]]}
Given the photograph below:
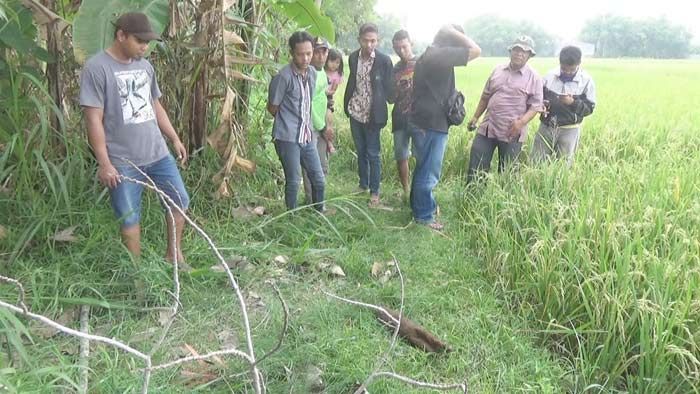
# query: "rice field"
{"points": [[604, 258]]}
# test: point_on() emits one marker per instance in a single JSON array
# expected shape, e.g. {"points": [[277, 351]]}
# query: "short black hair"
{"points": [[401, 35], [570, 55], [445, 40], [368, 27], [298, 37]]}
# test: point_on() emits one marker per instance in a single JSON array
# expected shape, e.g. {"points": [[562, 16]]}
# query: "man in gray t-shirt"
{"points": [[126, 123]]}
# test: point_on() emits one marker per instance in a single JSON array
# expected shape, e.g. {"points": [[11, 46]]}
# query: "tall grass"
{"points": [[606, 256]]}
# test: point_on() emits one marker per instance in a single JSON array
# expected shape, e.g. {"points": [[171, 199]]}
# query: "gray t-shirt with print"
{"points": [[125, 93]]}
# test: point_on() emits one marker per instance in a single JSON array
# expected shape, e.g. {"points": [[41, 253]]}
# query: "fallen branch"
{"points": [[75, 333], [84, 349], [176, 274], [419, 384], [285, 326], [397, 329], [20, 290], [207, 356], [239, 295]]}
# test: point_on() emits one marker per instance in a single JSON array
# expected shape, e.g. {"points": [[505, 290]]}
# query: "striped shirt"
{"points": [[292, 92], [305, 125]]}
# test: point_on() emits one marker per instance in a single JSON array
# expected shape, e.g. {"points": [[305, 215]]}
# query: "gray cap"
{"points": [[526, 43], [321, 42]]}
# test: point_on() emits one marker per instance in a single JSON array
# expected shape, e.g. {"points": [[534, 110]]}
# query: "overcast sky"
{"points": [[422, 18]]}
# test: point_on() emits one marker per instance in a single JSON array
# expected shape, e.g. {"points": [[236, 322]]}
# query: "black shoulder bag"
{"points": [[453, 106]]}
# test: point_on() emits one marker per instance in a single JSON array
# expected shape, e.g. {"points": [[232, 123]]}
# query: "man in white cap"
{"points": [[511, 98]]}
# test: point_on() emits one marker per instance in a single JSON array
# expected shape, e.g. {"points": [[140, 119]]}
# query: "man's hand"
{"points": [[180, 151], [108, 175], [471, 126], [566, 99], [329, 134], [516, 127]]}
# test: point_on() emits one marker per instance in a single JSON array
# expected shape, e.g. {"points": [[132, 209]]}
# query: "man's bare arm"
{"points": [[106, 172], [166, 127]]}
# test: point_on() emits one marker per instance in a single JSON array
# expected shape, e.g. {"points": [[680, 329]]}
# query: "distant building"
{"points": [[587, 49]]}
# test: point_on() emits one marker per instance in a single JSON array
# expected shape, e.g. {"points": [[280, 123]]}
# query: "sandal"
{"points": [[436, 226]]}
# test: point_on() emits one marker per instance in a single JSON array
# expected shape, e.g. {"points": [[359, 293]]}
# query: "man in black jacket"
{"points": [[368, 90], [569, 96]]}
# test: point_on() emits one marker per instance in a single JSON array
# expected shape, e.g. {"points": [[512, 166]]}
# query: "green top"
{"points": [[319, 103]]}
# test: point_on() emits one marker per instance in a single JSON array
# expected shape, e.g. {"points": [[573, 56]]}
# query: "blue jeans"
{"points": [[429, 148], [126, 196], [367, 145], [292, 155], [402, 142]]}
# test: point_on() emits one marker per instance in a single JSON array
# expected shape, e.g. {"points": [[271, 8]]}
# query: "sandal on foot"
{"points": [[436, 226]]}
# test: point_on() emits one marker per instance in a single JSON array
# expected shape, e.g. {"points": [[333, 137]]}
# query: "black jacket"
{"points": [[564, 115], [382, 86]]}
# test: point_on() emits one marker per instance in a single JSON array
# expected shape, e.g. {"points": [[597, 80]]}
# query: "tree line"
{"points": [[612, 35]]}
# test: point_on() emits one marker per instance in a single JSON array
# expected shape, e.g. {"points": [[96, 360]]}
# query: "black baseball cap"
{"points": [[136, 23]]}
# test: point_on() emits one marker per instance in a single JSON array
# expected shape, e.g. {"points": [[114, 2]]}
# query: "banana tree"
{"points": [[216, 41]]}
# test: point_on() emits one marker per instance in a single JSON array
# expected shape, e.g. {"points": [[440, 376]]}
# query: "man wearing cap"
{"points": [[512, 97], [289, 100], [126, 123], [323, 132], [569, 95]]}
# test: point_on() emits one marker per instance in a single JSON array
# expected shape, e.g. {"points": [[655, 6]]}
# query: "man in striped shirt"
{"points": [[289, 101]]}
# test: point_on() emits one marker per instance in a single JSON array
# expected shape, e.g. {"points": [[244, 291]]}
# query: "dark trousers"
{"points": [[482, 153]]}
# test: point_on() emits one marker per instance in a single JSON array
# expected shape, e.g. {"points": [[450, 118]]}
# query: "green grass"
{"points": [[549, 280]]}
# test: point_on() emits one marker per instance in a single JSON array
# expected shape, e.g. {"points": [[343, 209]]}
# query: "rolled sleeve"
{"points": [[534, 99], [488, 88]]}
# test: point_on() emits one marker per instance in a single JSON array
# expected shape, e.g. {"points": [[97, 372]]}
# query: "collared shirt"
{"points": [[510, 94], [361, 101], [292, 93], [581, 84]]}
